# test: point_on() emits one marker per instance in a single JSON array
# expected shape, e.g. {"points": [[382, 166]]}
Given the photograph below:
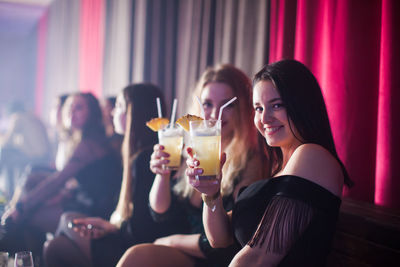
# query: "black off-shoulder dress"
{"points": [[287, 215]]}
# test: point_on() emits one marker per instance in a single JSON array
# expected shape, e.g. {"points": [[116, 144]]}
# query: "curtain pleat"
{"points": [[91, 46], [241, 34], [388, 133], [117, 46], [62, 51], [40, 63]]}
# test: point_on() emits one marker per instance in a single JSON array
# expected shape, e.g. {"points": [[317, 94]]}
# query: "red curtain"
{"points": [[91, 45], [352, 47]]}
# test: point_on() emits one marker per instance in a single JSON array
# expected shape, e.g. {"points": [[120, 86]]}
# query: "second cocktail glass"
{"points": [[205, 137], [172, 140]]}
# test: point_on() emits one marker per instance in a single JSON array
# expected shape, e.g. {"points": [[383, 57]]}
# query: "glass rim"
{"points": [[202, 121], [23, 252], [174, 125]]}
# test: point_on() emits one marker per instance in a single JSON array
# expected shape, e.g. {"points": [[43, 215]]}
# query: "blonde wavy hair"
{"points": [[244, 145]]}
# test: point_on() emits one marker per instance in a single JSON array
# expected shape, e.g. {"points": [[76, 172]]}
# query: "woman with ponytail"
{"points": [[91, 241]]}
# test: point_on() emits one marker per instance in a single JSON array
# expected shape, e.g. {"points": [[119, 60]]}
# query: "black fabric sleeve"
{"points": [[283, 222]]}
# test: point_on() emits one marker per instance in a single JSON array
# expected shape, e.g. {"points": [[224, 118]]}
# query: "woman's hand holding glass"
{"points": [[92, 227], [209, 187], [158, 160]]}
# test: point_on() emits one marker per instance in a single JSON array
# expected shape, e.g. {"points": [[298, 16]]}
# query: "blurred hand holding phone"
{"points": [[92, 227]]}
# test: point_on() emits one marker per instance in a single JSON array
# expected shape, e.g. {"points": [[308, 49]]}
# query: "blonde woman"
{"points": [[190, 247]]}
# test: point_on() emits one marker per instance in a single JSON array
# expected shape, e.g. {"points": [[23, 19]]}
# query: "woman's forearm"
{"points": [[217, 224], [160, 193]]}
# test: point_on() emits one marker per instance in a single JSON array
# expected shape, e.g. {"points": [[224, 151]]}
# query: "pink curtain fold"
{"points": [[282, 30], [387, 159], [350, 46], [91, 45]]}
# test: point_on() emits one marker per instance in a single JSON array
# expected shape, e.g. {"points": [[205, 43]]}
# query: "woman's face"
{"points": [[119, 114], [271, 118], [77, 112], [213, 96]]}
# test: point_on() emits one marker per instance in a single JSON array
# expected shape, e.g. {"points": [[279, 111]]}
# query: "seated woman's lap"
{"points": [[82, 242], [152, 255]]}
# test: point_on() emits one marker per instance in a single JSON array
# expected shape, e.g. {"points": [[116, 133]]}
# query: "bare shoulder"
{"points": [[315, 163]]}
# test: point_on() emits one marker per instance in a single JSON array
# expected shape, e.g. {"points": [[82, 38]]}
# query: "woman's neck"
{"points": [[287, 152]]}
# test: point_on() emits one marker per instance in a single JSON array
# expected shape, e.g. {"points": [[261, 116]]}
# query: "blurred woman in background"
{"points": [[93, 172], [104, 242]]}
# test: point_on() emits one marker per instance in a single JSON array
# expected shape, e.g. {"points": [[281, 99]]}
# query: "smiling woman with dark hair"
{"points": [[288, 220]]}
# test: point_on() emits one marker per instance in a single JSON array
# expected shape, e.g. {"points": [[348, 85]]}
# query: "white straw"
{"points": [[201, 107], [222, 108], [173, 112], [159, 108]]}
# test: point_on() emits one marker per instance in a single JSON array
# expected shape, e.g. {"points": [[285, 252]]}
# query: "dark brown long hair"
{"points": [[305, 106], [141, 106]]}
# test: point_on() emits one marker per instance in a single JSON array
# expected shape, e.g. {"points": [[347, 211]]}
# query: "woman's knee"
{"points": [[51, 250], [136, 255]]}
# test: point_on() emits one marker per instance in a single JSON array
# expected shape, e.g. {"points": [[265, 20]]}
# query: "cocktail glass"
{"points": [[172, 140], [206, 143]]}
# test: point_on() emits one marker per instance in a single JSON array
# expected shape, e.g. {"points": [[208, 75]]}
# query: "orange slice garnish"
{"points": [[184, 121], [157, 124]]}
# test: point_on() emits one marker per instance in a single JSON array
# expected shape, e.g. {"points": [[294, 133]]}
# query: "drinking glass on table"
{"points": [[205, 137], [171, 137], [23, 259], [3, 259]]}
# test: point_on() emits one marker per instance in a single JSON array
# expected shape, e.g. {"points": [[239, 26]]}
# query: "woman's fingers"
{"points": [[158, 147], [189, 151], [158, 163], [159, 154], [192, 162], [159, 158], [192, 172]]}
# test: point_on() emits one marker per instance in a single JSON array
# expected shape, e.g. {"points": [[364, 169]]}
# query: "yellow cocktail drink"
{"points": [[206, 142], [173, 146], [206, 149], [172, 140]]}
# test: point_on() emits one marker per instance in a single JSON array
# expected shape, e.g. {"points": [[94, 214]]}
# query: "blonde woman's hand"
{"points": [[158, 159], [204, 186]]}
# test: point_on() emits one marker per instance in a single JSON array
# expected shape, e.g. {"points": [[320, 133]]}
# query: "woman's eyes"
{"points": [[277, 106], [258, 109], [207, 105], [273, 106]]}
